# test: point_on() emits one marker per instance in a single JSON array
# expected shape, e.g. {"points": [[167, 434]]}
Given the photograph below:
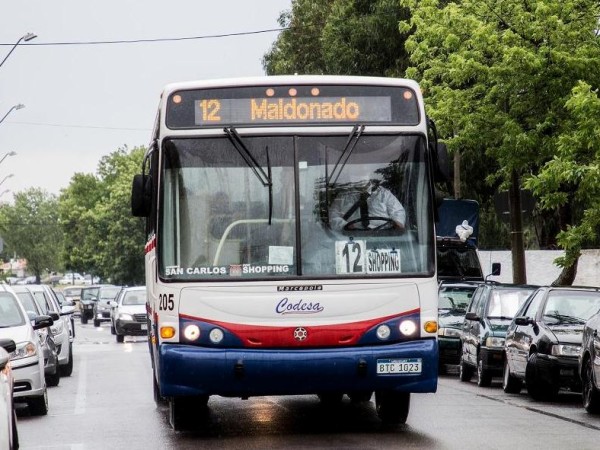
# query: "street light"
{"points": [[4, 157], [19, 106], [27, 37], [7, 176]]}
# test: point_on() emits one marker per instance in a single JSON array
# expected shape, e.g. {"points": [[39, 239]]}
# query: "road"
{"points": [[107, 404]]}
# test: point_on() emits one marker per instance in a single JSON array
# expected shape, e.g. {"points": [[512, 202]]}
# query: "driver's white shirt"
{"points": [[381, 203]]}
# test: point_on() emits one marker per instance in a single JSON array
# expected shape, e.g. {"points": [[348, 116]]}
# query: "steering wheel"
{"points": [[388, 225]]}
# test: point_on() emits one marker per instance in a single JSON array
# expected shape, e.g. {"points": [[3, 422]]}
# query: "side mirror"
{"points": [[523, 321], [8, 345], [496, 269], [471, 316], [141, 195], [54, 316], [43, 321], [67, 310]]}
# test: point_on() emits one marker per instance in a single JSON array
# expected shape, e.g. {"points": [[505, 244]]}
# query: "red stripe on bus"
{"points": [[299, 335]]}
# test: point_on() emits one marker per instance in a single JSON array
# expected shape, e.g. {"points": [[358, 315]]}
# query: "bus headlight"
{"points": [[191, 332], [407, 327], [216, 335], [383, 332]]}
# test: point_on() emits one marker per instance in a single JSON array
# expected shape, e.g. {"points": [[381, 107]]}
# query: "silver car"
{"points": [[27, 360], [49, 346], [9, 437], [128, 315]]}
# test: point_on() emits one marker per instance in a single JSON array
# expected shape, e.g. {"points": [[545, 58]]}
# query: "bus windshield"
{"points": [[255, 207]]}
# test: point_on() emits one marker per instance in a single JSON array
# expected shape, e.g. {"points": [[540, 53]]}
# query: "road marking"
{"points": [[81, 395]]}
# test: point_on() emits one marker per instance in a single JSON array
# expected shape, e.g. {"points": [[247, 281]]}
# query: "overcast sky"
{"points": [[83, 102]]}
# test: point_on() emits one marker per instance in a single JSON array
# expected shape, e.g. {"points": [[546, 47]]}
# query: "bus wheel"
{"points": [[159, 399], [183, 411], [360, 396], [331, 398], [392, 407]]}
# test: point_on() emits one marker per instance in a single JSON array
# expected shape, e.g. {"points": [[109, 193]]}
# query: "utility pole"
{"points": [[516, 230]]}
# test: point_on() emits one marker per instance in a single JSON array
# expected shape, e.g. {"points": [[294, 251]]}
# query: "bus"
{"points": [[252, 290]]}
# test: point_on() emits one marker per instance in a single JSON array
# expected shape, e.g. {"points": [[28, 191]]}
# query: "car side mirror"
{"points": [[67, 310], [523, 321], [8, 345], [43, 321], [54, 316], [496, 269], [471, 316]]}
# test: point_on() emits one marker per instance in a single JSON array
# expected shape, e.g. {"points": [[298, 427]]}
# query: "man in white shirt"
{"points": [[363, 208]]}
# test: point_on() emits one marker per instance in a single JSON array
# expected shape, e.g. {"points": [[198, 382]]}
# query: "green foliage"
{"points": [[30, 228], [343, 37], [101, 236]]}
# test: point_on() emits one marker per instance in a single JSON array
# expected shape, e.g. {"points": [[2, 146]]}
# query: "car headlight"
{"points": [[58, 327], [494, 342], [126, 317], [566, 350], [449, 332], [24, 350]]}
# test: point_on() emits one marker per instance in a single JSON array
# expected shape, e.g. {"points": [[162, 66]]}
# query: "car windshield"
{"points": [[571, 307], [11, 314], [109, 293], [455, 298], [71, 292], [134, 298], [89, 294], [28, 302], [504, 303]]}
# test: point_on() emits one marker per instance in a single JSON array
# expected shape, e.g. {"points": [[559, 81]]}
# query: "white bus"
{"points": [[264, 276]]}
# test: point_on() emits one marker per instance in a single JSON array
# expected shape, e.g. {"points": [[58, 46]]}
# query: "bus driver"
{"points": [[367, 206]]}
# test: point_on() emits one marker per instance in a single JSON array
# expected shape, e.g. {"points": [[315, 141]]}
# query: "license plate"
{"points": [[399, 366], [143, 326]]}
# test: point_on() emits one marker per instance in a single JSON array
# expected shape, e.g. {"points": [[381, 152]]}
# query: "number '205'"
{"points": [[166, 302]]}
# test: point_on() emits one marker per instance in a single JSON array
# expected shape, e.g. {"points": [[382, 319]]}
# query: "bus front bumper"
{"points": [[186, 370]]}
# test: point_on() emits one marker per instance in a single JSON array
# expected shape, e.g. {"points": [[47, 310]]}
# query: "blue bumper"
{"points": [[189, 370]]}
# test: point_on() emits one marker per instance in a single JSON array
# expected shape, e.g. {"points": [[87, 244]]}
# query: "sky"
{"points": [[83, 102]]}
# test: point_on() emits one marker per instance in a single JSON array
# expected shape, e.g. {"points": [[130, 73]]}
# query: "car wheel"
{"points": [[38, 406], [67, 369], [84, 318], [392, 407], [113, 331], [537, 388], [120, 338], [484, 379], [96, 323], [15, 432], [465, 372], [590, 394], [53, 379], [510, 383]]}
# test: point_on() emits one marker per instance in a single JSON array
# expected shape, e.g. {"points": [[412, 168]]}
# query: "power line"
{"points": [[139, 41]]}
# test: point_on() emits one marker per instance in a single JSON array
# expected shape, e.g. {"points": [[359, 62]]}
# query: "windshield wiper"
{"points": [[352, 139], [500, 317], [264, 178]]}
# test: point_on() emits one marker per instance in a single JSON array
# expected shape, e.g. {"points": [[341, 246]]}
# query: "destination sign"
{"points": [[292, 105]]}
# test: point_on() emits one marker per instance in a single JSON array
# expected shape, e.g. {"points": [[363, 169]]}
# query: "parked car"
{"points": [[589, 364], [72, 278], [102, 306], [73, 294], [49, 347], [543, 341], [454, 298], [491, 310], [9, 436], [128, 314], [27, 360], [63, 328]]}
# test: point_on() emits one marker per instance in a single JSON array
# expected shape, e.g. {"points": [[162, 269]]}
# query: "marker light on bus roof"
{"points": [[177, 99], [315, 91], [270, 92], [407, 95], [383, 332], [407, 327], [216, 335], [191, 332], [293, 92]]}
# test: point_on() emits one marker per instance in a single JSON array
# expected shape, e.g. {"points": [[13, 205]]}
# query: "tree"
{"points": [[101, 236], [498, 74], [343, 37], [30, 228]]}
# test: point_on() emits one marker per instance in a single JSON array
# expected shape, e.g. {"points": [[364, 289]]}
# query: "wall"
{"points": [[540, 267]]}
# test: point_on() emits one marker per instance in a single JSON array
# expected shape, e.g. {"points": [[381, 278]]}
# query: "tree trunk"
{"points": [[516, 230], [568, 274]]}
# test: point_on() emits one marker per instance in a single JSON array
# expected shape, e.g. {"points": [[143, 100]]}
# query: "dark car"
{"points": [[89, 296], [454, 298], [102, 306], [491, 310], [543, 341], [589, 364]]}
